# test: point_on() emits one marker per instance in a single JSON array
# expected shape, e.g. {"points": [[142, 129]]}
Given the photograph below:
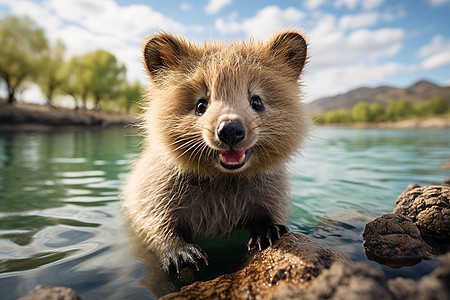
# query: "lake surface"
{"points": [[61, 224]]}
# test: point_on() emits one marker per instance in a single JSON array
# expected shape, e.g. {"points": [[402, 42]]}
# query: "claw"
{"points": [[186, 254], [266, 237], [278, 232], [269, 238], [249, 244], [258, 241], [177, 267]]}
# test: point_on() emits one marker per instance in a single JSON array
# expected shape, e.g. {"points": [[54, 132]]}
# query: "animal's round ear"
{"points": [[161, 52], [291, 47]]}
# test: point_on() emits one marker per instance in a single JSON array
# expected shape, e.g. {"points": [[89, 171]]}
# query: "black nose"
{"points": [[231, 132]]}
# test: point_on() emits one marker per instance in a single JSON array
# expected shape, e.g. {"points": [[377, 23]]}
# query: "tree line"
{"points": [[26, 56], [394, 111]]}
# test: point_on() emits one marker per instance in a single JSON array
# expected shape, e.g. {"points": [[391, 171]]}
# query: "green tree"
{"points": [[434, 106], [338, 116], [51, 78], [377, 112], [361, 112], [22, 44], [71, 85], [398, 110], [101, 75]]}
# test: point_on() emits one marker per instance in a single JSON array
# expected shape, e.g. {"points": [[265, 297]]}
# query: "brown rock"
{"points": [[428, 207], [294, 260], [42, 292], [445, 165], [435, 286], [361, 282], [394, 240], [342, 282]]}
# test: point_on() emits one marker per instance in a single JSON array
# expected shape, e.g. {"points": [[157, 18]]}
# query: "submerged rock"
{"points": [[445, 165], [394, 240], [428, 207], [294, 260], [419, 227], [42, 292], [434, 286], [342, 282]]}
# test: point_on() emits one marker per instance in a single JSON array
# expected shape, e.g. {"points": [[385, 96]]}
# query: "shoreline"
{"points": [[422, 123], [35, 117]]}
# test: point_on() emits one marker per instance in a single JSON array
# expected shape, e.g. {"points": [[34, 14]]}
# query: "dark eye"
{"points": [[202, 104], [256, 103]]}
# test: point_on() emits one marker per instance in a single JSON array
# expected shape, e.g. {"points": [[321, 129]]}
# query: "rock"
{"points": [[394, 240], [402, 288], [294, 260], [342, 282], [445, 165], [42, 292], [428, 207], [435, 286], [360, 282], [446, 182]]}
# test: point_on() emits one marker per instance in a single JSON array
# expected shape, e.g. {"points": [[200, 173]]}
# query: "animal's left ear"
{"points": [[291, 47]]}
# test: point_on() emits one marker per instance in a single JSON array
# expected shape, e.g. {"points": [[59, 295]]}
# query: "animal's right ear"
{"points": [[163, 52]]}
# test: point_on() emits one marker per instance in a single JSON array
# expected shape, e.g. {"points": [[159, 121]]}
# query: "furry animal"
{"points": [[221, 123]]}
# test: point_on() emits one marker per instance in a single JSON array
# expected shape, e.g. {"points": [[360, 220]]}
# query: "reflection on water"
{"points": [[60, 222]]}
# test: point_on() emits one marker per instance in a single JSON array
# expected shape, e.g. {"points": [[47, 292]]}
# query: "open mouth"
{"points": [[233, 159]]}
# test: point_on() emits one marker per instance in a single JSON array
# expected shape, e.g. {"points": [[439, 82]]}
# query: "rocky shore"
{"points": [[298, 267], [25, 116], [425, 123]]}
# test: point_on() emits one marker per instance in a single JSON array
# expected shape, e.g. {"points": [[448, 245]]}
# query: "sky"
{"points": [[352, 43]]}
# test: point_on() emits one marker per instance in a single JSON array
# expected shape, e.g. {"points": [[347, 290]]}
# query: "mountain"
{"points": [[420, 91]]}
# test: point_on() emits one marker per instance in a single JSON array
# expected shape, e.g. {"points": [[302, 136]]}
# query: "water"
{"points": [[60, 222]]}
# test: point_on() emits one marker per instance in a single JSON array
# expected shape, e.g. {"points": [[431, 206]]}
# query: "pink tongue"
{"points": [[231, 157]]}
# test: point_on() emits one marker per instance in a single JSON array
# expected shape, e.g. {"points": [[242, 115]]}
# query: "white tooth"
{"points": [[221, 157], [241, 159]]}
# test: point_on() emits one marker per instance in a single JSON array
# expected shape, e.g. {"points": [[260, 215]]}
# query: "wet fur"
{"points": [[177, 187]]}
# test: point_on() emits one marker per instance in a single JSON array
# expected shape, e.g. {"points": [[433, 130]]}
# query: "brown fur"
{"points": [[177, 186]]}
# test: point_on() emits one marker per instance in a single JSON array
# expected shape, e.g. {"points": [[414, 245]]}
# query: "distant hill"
{"points": [[420, 91]]}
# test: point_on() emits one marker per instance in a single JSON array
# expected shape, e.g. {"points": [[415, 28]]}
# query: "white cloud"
{"points": [[437, 60], [186, 6], [359, 20], [330, 46], [313, 4], [353, 4], [38, 13], [435, 54], [335, 80], [264, 23], [437, 44], [438, 2], [107, 17], [350, 4], [214, 6], [371, 4]]}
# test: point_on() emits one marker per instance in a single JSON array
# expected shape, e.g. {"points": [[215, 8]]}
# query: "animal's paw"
{"points": [[266, 237], [182, 255]]}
